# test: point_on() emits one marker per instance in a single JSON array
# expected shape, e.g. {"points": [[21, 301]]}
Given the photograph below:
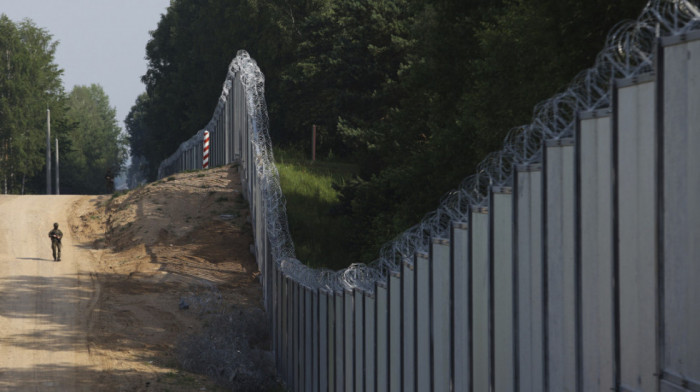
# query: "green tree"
{"points": [[97, 144], [188, 56], [477, 69], [138, 135], [30, 83], [344, 75]]}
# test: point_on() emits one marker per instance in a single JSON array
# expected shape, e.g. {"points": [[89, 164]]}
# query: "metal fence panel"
{"points": [[596, 251], [316, 339], [440, 328], [395, 331], [408, 309], [561, 272], [681, 208], [528, 188], [422, 301], [481, 336], [339, 335], [276, 347], [382, 328], [359, 349], [309, 335], [324, 314], [370, 341], [349, 339], [298, 337], [331, 342], [461, 329], [501, 213], [239, 117], [288, 340], [636, 158]]}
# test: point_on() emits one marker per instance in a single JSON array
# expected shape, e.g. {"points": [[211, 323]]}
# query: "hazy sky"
{"points": [[100, 41]]}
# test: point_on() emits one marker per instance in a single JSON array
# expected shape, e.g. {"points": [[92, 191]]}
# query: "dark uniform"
{"points": [[56, 236], [109, 179]]}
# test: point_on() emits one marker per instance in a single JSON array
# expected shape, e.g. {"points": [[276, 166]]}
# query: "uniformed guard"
{"points": [[56, 236]]}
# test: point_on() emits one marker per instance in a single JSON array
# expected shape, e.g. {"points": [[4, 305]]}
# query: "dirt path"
{"points": [[44, 305], [157, 291]]}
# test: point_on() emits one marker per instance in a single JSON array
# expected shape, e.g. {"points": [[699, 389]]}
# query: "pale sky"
{"points": [[100, 41]]}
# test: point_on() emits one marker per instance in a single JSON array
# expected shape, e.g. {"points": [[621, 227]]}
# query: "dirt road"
{"points": [[44, 305], [110, 317]]}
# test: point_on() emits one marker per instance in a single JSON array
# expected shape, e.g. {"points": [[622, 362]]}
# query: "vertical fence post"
{"points": [[339, 326], [481, 325], [422, 327], [288, 332], [358, 327], [323, 339], [296, 336], [503, 288], [370, 341], [349, 339], [460, 271], [408, 317], [595, 249], [316, 340], [440, 323], [562, 315], [276, 319], [678, 95], [308, 338], [636, 257], [528, 243], [205, 151], [382, 346], [394, 331], [331, 355]]}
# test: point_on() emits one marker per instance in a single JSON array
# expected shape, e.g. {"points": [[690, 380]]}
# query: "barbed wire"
{"points": [[628, 51]]}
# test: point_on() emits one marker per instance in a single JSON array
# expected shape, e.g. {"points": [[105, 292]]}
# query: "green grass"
{"points": [[320, 238]]}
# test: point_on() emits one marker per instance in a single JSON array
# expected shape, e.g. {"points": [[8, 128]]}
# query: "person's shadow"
{"points": [[33, 258]]}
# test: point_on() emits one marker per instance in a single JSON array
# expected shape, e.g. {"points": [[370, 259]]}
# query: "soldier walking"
{"points": [[56, 236]]}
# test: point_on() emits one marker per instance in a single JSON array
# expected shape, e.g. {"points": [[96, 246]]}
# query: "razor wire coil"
{"points": [[628, 51]]}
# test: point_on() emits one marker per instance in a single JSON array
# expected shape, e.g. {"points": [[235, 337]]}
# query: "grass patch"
{"points": [[321, 239], [119, 193]]}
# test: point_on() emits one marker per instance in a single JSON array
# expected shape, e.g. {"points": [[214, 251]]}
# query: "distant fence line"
{"points": [[569, 262]]}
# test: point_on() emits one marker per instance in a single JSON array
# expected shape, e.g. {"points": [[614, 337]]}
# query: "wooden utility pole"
{"points": [[48, 151], [57, 188], [313, 143]]}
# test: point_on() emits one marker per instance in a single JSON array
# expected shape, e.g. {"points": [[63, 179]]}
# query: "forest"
{"points": [[413, 92], [89, 139]]}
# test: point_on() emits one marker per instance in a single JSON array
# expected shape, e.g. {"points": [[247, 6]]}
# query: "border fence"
{"points": [[568, 262]]}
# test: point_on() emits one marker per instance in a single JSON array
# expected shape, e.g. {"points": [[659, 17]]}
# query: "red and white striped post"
{"points": [[205, 153]]}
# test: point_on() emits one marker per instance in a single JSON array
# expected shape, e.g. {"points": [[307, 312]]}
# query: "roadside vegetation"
{"points": [[89, 139]]}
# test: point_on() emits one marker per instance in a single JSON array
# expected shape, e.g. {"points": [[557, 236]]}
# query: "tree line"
{"points": [[415, 92], [83, 121]]}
